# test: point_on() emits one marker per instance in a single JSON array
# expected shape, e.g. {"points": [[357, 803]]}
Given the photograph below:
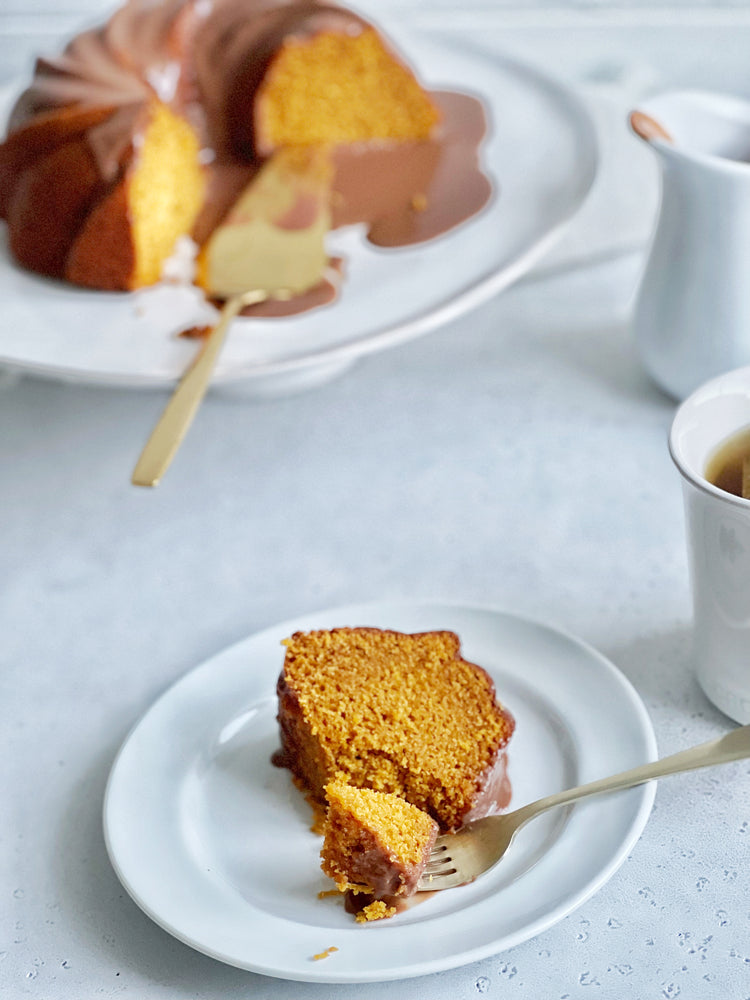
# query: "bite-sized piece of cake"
{"points": [[274, 236], [397, 713], [376, 847]]}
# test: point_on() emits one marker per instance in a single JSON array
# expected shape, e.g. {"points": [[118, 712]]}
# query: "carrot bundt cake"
{"points": [[175, 117], [401, 715]]}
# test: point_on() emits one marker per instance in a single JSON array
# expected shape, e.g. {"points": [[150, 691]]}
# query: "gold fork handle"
{"points": [[734, 746], [178, 414]]}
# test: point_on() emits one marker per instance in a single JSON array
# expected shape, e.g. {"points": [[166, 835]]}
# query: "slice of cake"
{"points": [[375, 849], [397, 713], [131, 229]]}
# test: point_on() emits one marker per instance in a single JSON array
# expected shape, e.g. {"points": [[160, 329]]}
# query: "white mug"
{"points": [[718, 539]]}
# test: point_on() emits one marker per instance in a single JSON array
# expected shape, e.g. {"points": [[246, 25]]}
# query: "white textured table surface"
{"points": [[516, 458]]}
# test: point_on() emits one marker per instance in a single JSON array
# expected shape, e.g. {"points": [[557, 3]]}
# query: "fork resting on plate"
{"points": [[460, 857]]}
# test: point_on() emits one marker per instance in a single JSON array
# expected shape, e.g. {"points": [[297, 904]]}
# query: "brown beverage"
{"points": [[729, 465]]}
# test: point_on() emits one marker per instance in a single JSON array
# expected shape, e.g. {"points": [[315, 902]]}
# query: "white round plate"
{"points": [[541, 154], [214, 843]]}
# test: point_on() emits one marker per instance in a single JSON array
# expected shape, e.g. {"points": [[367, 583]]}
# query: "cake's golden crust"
{"points": [[300, 751], [398, 713], [24, 148], [103, 253], [44, 216]]}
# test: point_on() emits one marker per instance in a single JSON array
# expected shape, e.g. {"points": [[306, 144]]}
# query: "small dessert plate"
{"points": [[214, 843]]}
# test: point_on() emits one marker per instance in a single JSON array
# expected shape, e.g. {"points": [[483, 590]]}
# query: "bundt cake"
{"points": [[375, 848], [174, 118], [396, 713]]}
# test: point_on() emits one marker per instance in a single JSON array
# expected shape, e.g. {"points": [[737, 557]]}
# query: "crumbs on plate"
{"points": [[324, 954]]}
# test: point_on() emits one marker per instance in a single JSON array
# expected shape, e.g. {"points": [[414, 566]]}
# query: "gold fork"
{"points": [[460, 857], [178, 414]]}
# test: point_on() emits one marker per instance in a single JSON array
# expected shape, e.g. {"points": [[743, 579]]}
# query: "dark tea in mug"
{"points": [[729, 465]]}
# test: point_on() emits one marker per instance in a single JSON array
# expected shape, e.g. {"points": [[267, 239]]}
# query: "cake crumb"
{"points": [[419, 202], [327, 893], [324, 954], [196, 332], [377, 910]]}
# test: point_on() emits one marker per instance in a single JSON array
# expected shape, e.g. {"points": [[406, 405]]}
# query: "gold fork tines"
{"points": [[458, 858]]}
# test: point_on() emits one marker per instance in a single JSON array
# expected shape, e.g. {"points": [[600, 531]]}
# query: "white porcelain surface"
{"points": [[692, 316], [214, 842], [541, 154], [718, 538]]}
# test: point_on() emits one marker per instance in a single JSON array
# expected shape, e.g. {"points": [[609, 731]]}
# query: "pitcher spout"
{"points": [[646, 127], [697, 124]]}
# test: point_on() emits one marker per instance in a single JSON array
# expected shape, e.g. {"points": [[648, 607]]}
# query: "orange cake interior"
{"points": [[338, 88], [128, 235], [398, 713]]}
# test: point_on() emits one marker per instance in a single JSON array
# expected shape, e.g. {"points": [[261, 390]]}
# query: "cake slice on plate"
{"points": [[398, 737]]}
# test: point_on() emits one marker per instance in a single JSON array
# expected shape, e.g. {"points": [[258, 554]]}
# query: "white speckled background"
{"points": [[516, 458]]}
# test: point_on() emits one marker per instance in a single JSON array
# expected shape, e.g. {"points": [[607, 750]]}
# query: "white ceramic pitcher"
{"points": [[692, 314]]}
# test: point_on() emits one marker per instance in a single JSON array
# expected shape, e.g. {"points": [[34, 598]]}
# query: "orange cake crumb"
{"points": [[324, 954], [377, 910]]}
